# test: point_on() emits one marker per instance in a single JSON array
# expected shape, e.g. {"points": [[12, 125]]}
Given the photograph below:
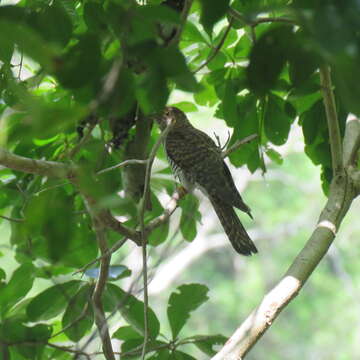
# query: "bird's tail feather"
{"points": [[236, 233]]}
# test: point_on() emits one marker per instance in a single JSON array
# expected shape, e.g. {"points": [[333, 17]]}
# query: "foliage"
{"points": [[74, 77]]}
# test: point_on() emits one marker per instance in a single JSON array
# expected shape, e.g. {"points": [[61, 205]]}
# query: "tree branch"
{"points": [[61, 170], [238, 144], [122, 164], [39, 167], [99, 313], [184, 15], [332, 120], [169, 210], [11, 219]]}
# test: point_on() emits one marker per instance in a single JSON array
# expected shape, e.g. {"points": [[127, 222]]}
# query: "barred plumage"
{"points": [[196, 160]]}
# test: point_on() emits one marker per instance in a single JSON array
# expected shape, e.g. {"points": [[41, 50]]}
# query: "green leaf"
{"points": [[78, 317], [192, 34], [247, 124], [174, 66], [179, 355], [212, 12], [267, 59], [276, 121], [242, 47], [82, 246], [207, 95], [274, 156], [94, 16], [81, 63], [230, 104], [189, 216], [181, 303], [131, 309], [126, 333], [186, 106], [2, 274], [52, 301], [28, 41], [253, 162], [151, 91], [12, 330], [55, 224], [18, 286], [301, 66], [319, 153], [159, 235], [163, 354], [312, 122], [52, 23], [207, 343]]}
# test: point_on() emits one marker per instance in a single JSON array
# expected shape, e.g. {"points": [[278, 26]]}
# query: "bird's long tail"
{"points": [[236, 233]]}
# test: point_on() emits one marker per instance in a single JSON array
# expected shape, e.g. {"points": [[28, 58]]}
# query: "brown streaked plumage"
{"points": [[196, 160]]}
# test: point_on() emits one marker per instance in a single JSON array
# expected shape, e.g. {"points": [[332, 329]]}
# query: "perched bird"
{"points": [[196, 160]]}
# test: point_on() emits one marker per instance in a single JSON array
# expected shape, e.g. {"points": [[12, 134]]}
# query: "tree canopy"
{"points": [[80, 84]]}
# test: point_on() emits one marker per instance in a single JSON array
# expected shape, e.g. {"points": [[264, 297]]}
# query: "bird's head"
{"points": [[172, 115]]}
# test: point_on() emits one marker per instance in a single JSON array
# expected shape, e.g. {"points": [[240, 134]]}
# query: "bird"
{"points": [[196, 160]]}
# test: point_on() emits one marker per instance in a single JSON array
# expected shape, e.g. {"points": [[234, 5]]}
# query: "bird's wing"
{"points": [[197, 155]]}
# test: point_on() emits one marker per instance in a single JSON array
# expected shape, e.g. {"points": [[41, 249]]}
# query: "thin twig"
{"points": [[272, 20], [143, 232], [169, 210], [122, 164], [11, 219], [52, 187], [332, 120], [238, 144], [240, 17], [110, 251], [216, 49], [20, 65], [184, 14]]}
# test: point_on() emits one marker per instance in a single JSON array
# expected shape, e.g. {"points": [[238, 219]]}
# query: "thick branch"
{"points": [[39, 167], [332, 120]]}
